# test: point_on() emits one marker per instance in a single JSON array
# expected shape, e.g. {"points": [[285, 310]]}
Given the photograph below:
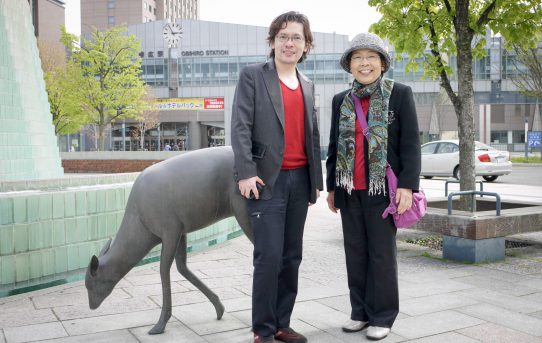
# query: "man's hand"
{"points": [[403, 199], [249, 185], [331, 201]]}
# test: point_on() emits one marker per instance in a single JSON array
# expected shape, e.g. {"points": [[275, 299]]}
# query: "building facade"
{"points": [[195, 83], [47, 17], [104, 14]]}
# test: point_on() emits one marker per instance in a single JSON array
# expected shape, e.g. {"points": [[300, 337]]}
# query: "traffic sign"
{"points": [[534, 138]]}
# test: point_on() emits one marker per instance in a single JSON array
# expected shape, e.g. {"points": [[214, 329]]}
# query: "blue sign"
{"points": [[534, 138]]}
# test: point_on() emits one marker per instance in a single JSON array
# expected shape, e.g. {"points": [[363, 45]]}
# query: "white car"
{"points": [[441, 158]]}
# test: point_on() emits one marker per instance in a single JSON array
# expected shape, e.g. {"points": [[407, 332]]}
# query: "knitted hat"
{"points": [[366, 41]]}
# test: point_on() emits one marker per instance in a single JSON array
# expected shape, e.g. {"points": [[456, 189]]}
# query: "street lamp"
{"points": [[526, 130]]}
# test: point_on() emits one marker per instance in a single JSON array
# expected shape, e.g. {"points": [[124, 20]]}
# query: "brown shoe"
{"points": [[288, 335], [264, 339]]}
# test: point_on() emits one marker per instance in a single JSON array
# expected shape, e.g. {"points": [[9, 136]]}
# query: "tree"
{"points": [[111, 88], [528, 63], [148, 120], [61, 86], [433, 30]]}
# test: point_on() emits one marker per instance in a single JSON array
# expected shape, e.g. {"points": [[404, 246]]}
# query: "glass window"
{"points": [[205, 73], [429, 149], [447, 148], [111, 4], [234, 71], [111, 19], [499, 137]]}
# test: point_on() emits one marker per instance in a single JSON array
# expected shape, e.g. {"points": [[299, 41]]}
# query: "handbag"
{"points": [[419, 201]]}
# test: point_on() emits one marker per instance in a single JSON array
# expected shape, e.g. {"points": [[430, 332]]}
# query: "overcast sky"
{"points": [[348, 17]]}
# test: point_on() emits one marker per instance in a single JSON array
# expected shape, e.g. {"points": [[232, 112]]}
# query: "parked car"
{"points": [[441, 158]]}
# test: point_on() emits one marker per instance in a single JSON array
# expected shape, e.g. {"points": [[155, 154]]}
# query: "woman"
{"points": [[356, 180]]}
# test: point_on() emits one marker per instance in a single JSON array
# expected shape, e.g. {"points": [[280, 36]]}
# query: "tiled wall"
{"points": [[48, 234]]}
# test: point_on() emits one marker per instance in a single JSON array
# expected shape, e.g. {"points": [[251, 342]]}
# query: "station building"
{"points": [[194, 83]]}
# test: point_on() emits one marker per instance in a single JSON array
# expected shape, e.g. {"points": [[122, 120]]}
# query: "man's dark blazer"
{"points": [[257, 127], [404, 154]]}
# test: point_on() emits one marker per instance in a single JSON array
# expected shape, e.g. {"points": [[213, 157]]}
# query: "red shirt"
{"points": [[294, 128], [359, 161]]}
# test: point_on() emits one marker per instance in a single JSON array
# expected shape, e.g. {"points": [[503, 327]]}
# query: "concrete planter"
{"points": [[479, 236]]}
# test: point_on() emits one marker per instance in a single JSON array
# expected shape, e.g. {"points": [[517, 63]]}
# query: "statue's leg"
{"points": [[169, 246], [180, 260], [240, 212]]}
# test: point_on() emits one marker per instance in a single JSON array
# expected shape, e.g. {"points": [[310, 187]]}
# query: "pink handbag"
{"points": [[410, 216], [419, 201]]}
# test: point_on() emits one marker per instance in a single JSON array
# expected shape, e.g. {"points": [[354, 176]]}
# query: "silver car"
{"points": [[441, 158]]}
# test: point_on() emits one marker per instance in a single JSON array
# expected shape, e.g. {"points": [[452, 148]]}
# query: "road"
{"points": [[521, 175], [524, 184]]}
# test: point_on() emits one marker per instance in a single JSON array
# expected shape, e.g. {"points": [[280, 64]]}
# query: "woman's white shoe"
{"points": [[354, 325], [377, 332]]}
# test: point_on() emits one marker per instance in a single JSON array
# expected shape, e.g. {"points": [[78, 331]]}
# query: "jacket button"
{"points": [[280, 153]]}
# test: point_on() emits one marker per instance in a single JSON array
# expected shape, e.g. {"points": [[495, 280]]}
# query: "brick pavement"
{"points": [[441, 301]]}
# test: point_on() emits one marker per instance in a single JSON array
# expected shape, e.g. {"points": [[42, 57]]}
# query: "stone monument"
{"points": [[28, 145]]}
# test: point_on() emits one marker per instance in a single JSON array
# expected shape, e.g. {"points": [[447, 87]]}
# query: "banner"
{"points": [[176, 104], [214, 103]]}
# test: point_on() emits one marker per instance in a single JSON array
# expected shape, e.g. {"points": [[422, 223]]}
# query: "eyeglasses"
{"points": [[283, 38], [370, 58]]}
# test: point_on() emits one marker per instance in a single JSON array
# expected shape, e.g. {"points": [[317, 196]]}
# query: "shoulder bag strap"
{"points": [[363, 122]]}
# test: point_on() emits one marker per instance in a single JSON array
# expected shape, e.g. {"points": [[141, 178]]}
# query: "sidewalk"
{"points": [[440, 301]]}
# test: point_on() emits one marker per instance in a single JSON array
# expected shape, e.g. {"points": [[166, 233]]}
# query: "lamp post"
{"points": [[123, 135], [526, 130]]}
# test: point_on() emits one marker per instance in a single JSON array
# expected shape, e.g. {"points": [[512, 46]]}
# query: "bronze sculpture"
{"points": [[168, 200]]}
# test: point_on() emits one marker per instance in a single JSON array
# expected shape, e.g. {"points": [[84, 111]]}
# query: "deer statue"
{"points": [[168, 200]]}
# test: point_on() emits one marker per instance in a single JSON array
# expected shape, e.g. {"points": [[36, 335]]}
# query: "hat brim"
{"points": [[345, 58]]}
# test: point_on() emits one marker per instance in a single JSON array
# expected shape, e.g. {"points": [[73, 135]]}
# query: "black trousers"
{"points": [[278, 244], [371, 259]]}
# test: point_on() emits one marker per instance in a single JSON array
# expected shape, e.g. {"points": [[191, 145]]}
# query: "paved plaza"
{"points": [[441, 301]]}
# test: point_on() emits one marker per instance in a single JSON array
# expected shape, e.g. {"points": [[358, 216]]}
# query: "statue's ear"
{"points": [[105, 248], [93, 265]]}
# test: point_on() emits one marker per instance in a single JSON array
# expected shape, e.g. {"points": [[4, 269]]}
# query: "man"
{"points": [[276, 144]]}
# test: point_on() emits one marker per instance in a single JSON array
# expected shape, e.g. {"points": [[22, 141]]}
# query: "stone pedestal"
{"points": [[473, 250]]}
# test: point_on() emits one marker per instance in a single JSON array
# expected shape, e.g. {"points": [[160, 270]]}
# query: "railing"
{"points": [[457, 181], [473, 200]]}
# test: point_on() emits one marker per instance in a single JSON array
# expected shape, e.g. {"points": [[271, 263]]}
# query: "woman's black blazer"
{"points": [[404, 153]]}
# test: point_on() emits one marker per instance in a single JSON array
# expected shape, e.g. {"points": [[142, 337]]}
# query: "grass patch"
{"points": [[512, 253], [530, 159]]}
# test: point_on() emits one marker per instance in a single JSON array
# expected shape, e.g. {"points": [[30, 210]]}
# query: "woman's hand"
{"points": [[331, 201], [403, 199]]}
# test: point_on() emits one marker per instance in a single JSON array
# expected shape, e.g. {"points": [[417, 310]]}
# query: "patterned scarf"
{"points": [[379, 93]]}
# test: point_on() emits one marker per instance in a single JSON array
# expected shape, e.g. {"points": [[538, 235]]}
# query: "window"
{"points": [[499, 136], [447, 148], [110, 4], [111, 19], [429, 149]]}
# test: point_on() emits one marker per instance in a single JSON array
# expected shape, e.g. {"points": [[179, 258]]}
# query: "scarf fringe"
{"points": [[345, 179], [377, 187]]}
